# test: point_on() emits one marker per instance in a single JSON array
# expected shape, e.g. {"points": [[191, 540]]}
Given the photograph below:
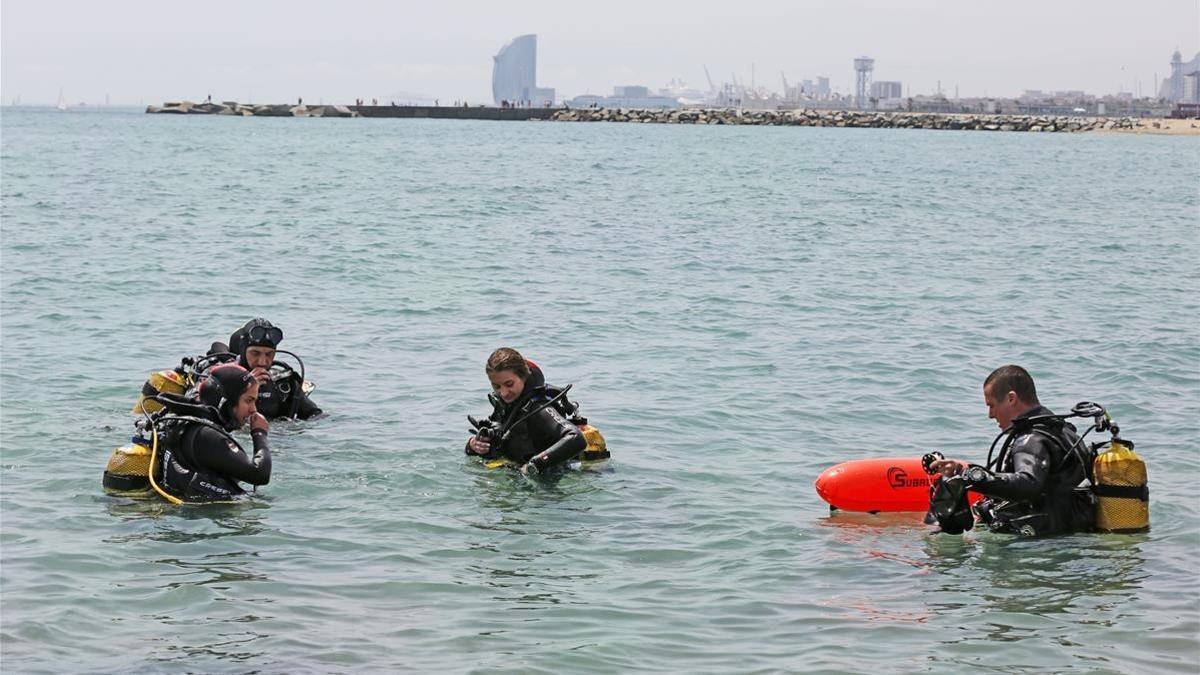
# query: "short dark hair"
{"points": [[507, 358], [1012, 378]]}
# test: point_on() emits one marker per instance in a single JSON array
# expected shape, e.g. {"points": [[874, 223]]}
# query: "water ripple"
{"points": [[739, 308]]}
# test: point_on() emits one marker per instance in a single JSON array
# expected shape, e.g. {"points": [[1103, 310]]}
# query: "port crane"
{"points": [[712, 88]]}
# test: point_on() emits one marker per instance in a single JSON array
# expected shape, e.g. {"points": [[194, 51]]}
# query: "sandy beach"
{"points": [[1162, 127]]}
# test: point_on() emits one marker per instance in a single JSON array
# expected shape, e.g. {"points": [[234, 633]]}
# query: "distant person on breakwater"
{"points": [[528, 425], [281, 390], [1033, 491]]}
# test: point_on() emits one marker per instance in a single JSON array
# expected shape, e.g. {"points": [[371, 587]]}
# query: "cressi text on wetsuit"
{"points": [[200, 460], [202, 464]]}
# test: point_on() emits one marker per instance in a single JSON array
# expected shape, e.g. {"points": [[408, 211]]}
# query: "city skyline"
{"points": [[135, 51]]}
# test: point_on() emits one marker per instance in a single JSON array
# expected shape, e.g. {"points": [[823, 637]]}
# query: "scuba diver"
{"points": [[281, 392], [532, 424], [200, 461], [1031, 486]]}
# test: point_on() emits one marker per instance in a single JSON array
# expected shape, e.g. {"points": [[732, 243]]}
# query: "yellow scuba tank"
{"points": [[167, 381], [128, 469], [597, 449], [1120, 486]]}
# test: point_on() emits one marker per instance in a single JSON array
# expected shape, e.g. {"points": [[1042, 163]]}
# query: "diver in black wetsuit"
{"points": [[281, 389], [526, 426], [1031, 487], [199, 460]]}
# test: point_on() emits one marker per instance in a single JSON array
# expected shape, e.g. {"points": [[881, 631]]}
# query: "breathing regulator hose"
{"points": [[154, 450], [508, 431], [153, 456], [1101, 421]]}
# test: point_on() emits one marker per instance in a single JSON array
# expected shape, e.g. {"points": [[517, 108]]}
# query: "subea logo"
{"points": [[898, 478]]}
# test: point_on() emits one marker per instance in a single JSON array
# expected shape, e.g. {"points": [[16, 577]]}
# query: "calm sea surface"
{"points": [[738, 309]]}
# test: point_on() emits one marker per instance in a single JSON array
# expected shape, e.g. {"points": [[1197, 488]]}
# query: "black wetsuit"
{"points": [[546, 438], [1033, 490], [283, 398], [199, 463]]}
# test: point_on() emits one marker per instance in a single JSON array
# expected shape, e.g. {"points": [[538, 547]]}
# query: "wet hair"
{"points": [[507, 358], [1012, 378]]}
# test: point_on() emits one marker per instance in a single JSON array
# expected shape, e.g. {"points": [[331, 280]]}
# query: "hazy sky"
{"points": [[274, 50]]}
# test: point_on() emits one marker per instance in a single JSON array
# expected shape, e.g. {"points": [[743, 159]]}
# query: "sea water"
{"points": [[738, 309]]}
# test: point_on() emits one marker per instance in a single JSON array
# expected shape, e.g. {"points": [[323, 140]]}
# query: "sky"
{"points": [[274, 51]]}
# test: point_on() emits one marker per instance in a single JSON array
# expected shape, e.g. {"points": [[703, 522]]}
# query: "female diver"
{"points": [[200, 460], [525, 427]]}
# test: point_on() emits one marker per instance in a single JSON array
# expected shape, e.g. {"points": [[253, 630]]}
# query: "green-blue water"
{"points": [[738, 308]]}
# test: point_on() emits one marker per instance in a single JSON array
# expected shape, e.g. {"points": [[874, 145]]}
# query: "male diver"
{"points": [[199, 460], [280, 388], [1030, 488]]}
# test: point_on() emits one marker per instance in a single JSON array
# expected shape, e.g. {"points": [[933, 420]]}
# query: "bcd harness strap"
{"points": [[1138, 492]]}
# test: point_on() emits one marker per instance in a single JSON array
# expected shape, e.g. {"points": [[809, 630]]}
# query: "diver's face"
{"points": [[246, 405], [260, 357], [507, 385], [1004, 409]]}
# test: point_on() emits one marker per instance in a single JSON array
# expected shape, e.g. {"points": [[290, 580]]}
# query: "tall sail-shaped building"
{"points": [[514, 74]]}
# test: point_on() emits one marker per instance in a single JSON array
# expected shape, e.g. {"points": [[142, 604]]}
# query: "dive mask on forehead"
{"points": [[264, 336]]}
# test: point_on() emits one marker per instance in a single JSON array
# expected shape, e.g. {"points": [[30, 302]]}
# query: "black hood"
{"points": [[222, 388], [536, 379], [241, 340]]}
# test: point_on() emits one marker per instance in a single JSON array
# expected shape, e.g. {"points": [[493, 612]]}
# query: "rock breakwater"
{"points": [[247, 110], [848, 118]]}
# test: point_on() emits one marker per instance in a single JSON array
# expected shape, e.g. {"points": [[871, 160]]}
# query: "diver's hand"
{"points": [[258, 422], [530, 470], [479, 446], [261, 375], [947, 467]]}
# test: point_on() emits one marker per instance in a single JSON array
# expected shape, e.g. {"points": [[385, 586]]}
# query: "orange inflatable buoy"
{"points": [[886, 484]]}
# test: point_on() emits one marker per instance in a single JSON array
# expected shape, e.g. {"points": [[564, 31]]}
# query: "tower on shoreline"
{"points": [[862, 78], [514, 74]]}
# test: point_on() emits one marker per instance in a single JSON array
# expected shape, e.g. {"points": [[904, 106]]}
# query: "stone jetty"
{"points": [[783, 118], [849, 118], [396, 111], [246, 110]]}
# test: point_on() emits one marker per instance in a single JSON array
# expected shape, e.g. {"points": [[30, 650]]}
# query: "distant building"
{"points": [[1175, 88], [1191, 88], [809, 90], [631, 92], [679, 90], [1070, 95], [884, 89], [514, 74], [625, 97]]}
